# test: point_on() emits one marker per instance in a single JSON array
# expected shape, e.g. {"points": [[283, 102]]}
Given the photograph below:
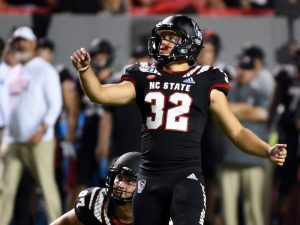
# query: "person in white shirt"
{"points": [[35, 102], [7, 63]]}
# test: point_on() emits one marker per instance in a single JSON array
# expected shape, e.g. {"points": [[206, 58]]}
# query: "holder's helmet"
{"points": [[191, 36], [126, 165]]}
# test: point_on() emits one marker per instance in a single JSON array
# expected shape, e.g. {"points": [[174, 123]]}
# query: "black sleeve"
{"points": [[135, 74], [84, 207], [219, 80], [130, 74]]}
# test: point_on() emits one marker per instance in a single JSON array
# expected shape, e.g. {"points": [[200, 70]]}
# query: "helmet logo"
{"points": [[197, 30], [198, 33], [183, 51], [141, 186], [197, 41], [168, 23]]}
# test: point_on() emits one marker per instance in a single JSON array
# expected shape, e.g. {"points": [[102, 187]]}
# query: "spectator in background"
{"points": [[80, 6], [46, 49], [139, 51], [241, 172], [70, 95], [247, 4], [216, 4], [71, 103], [65, 128], [287, 93], [211, 50], [67, 131], [32, 3], [6, 62], [102, 54], [289, 8], [116, 6], [263, 80], [142, 7], [126, 121], [35, 103], [22, 214], [142, 2]]}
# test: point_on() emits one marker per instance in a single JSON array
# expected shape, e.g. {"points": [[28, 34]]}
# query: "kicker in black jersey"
{"points": [[174, 108]]}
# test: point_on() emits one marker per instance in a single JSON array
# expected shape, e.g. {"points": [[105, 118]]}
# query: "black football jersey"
{"points": [[174, 108], [92, 207]]}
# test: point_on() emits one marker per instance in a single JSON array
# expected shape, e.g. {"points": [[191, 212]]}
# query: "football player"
{"points": [[174, 97], [111, 205]]}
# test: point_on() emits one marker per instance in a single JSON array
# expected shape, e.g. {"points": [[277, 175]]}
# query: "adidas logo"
{"points": [[192, 176], [189, 80]]}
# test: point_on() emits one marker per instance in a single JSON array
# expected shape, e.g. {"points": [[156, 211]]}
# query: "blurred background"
{"points": [[256, 42]]}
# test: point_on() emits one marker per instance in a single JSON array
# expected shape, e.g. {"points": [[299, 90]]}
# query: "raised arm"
{"points": [[242, 137], [113, 94]]}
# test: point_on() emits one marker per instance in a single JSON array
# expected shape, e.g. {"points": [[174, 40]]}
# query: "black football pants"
{"points": [[180, 197]]}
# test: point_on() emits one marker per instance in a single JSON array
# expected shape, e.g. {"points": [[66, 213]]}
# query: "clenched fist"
{"points": [[81, 59], [278, 154]]}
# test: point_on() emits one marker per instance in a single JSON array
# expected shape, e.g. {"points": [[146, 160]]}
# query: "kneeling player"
{"points": [[111, 205]]}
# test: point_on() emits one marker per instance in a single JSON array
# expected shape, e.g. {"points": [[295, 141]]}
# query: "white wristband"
{"points": [[84, 68]]}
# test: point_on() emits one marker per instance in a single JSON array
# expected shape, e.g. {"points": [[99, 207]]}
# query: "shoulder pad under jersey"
{"points": [[141, 68]]}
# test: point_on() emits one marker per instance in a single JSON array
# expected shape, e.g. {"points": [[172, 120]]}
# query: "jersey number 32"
{"points": [[175, 118]]}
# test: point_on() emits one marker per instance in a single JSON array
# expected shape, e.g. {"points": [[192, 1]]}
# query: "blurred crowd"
{"points": [[151, 7], [55, 142]]}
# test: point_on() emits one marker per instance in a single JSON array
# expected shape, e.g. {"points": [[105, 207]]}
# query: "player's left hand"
{"points": [[278, 153]]}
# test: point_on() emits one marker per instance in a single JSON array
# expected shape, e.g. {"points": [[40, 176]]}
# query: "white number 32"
{"points": [[175, 117]]}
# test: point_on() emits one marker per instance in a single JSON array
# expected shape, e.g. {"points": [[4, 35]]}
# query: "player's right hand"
{"points": [[80, 59]]}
